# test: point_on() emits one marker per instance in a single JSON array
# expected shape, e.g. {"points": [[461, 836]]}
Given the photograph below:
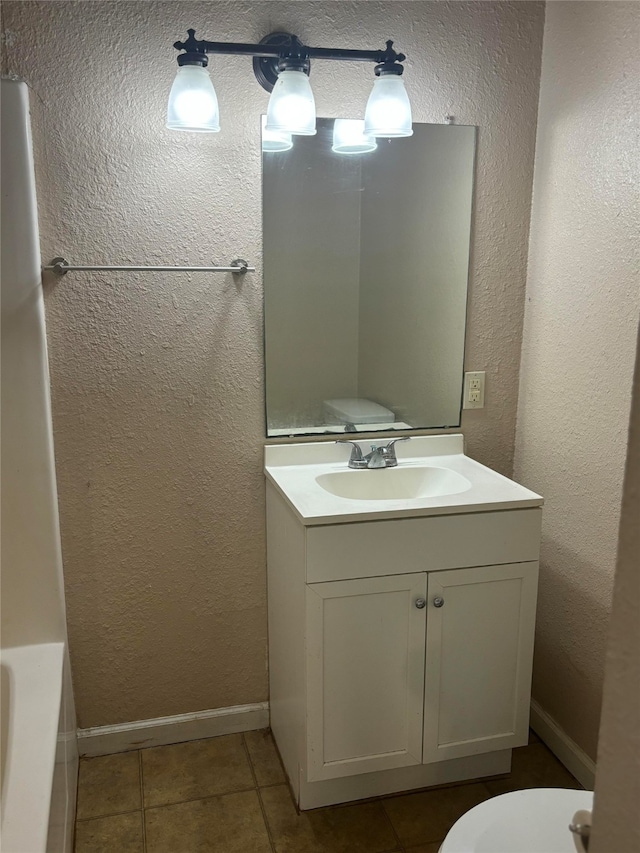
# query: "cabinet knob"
{"points": [[438, 602], [420, 603]]}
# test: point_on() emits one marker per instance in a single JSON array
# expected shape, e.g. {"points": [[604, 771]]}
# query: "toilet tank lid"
{"points": [[358, 410]]}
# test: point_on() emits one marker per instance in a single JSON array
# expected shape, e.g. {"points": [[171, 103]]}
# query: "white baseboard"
{"points": [[566, 750], [104, 740]]}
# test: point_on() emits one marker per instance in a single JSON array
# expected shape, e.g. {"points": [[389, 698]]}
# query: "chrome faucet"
{"points": [[381, 456], [376, 459]]}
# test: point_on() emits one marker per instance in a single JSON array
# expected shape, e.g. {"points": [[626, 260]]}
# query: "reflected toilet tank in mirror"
{"points": [[366, 260]]}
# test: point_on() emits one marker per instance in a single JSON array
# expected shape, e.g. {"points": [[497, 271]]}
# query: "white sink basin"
{"points": [[433, 477], [393, 484]]}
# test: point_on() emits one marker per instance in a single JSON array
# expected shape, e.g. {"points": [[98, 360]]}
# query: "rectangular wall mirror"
{"points": [[366, 260]]}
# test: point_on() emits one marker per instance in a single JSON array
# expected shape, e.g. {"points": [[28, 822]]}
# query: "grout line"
{"points": [[393, 829], [266, 821], [285, 777], [195, 799], [251, 767], [144, 832], [74, 829], [144, 823], [110, 814], [261, 804]]}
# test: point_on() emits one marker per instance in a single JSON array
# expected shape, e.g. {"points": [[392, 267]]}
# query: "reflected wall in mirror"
{"points": [[366, 261]]}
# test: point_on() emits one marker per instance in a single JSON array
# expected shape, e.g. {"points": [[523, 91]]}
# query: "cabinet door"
{"points": [[365, 675], [479, 659]]}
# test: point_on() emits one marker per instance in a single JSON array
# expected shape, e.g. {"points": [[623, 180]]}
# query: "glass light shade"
{"points": [[292, 108], [349, 137], [388, 110], [275, 140], [193, 104]]}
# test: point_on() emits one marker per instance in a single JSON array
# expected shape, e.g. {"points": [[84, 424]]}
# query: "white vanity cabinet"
{"points": [[412, 669], [478, 660], [365, 656], [400, 648]]}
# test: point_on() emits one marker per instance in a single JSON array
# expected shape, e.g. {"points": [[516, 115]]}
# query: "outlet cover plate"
{"points": [[473, 393]]}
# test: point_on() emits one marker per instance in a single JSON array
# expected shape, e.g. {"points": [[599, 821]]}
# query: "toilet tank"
{"points": [[356, 410]]}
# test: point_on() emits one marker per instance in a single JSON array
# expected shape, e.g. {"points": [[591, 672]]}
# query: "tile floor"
{"points": [[228, 795]]}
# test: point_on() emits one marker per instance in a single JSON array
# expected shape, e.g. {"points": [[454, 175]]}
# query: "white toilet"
{"points": [[530, 821], [356, 410]]}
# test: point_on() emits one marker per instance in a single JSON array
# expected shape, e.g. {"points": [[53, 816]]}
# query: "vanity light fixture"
{"points": [[349, 137], [292, 108], [274, 140], [388, 109], [281, 64], [193, 104]]}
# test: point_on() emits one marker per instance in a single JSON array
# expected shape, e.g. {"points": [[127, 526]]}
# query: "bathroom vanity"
{"points": [[401, 617]]}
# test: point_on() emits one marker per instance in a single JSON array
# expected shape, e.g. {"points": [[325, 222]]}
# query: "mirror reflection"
{"points": [[366, 256]]}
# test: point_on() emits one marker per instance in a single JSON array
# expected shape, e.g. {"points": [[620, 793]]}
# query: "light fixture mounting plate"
{"points": [[266, 68]]}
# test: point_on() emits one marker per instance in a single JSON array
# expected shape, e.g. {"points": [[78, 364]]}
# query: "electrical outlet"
{"points": [[473, 394]]}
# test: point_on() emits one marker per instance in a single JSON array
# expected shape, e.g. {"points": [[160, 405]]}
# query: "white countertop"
{"points": [[293, 469]]}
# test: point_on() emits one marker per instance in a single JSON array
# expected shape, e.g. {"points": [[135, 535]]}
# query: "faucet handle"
{"points": [[389, 445], [356, 451], [389, 451]]}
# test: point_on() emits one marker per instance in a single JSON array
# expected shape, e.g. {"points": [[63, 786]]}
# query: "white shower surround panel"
{"points": [[39, 750]]}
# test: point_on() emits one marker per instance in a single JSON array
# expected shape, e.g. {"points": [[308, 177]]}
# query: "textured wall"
{"points": [[579, 343], [157, 380], [615, 822]]}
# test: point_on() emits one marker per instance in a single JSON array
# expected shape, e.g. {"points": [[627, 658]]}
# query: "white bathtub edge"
{"points": [[36, 680], [65, 779], [140, 734]]}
